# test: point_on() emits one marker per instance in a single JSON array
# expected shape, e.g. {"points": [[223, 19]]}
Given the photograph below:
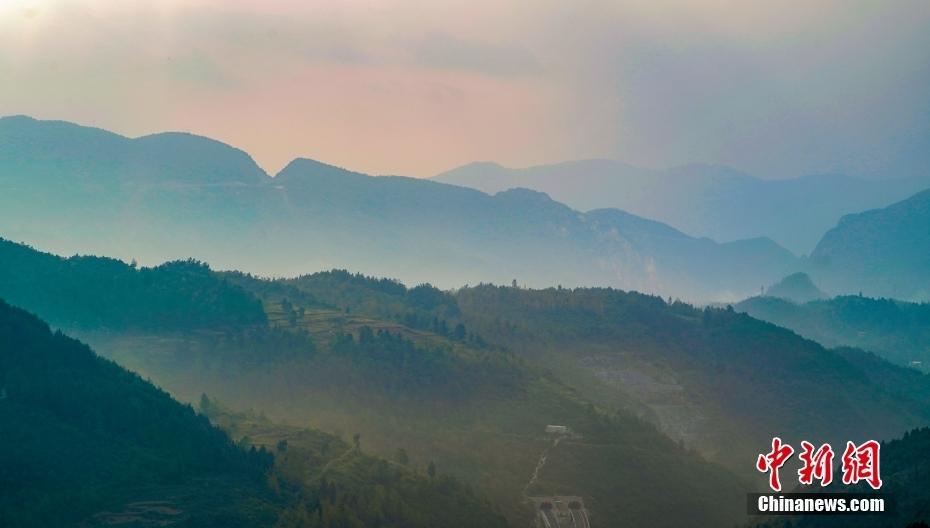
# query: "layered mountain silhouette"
{"points": [[896, 330], [74, 189], [797, 287], [881, 253], [442, 396], [703, 200]]}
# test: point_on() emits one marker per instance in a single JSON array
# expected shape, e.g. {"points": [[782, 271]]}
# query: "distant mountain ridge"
{"points": [[703, 200], [167, 196], [184, 157], [797, 287], [881, 252], [896, 330]]}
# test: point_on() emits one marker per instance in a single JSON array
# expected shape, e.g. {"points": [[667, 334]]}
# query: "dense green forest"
{"points": [[335, 483], [422, 307], [468, 380], [713, 377], [478, 413], [86, 441], [706, 376], [81, 435], [896, 330], [97, 292]]}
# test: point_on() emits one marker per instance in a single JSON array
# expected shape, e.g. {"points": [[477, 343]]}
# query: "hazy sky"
{"points": [[776, 88]]}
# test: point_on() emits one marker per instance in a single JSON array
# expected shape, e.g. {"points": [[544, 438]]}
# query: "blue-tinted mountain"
{"points": [[702, 200], [74, 189], [797, 287], [896, 330], [881, 252]]}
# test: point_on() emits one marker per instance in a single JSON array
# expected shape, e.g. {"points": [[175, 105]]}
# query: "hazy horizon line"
{"points": [[275, 173]]}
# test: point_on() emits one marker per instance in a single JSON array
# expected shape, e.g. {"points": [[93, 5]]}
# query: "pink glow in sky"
{"points": [[403, 87]]}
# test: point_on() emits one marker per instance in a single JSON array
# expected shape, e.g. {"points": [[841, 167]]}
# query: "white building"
{"points": [[558, 430]]}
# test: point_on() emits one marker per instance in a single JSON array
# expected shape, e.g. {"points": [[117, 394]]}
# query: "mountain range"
{"points": [[76, 189], [712, 201], [621, 350], [881, 252], [467, 381], [416, 382], [896, 330]]}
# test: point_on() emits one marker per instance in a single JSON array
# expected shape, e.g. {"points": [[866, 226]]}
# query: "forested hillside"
{"points": [[431, 388], [83, 436], [897, 331], [99, 292], [711, 377], [469, 380], [723, 381], [86, 441], [475, 412]]}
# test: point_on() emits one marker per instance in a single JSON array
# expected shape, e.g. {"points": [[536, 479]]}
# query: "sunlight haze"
{"points": [[777, 89]]}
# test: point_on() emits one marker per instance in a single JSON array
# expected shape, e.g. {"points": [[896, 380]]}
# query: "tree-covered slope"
{"points": [[83, 436], [706, 376], [475, 411], [98, 292], [896, 330], [335, 483], [85, 441], [725, 382]]}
